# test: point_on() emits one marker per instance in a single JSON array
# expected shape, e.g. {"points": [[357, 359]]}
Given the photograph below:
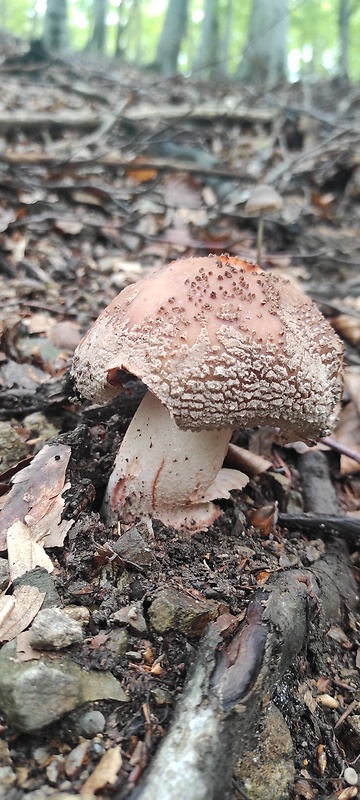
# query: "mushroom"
{"points": [[220, 344], [262, 198]]}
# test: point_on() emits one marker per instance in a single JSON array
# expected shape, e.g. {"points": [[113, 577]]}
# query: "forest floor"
{"points": [[106, 174]]}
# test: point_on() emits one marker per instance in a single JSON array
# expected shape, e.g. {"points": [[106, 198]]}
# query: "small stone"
{"points": [[52, 629], [40, 578], [34, 694], [133, 617], [162, 697], [4, 573], [78, 613], [97, 749], [350, 776], [40, 755], [42, 427], [52, 771], [92, 722], [7, 778], [131, 546], [117, 642], [75, 759], [174, 609]]}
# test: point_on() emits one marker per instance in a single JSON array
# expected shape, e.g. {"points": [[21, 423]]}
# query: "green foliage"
{"points": [[134, 27]]}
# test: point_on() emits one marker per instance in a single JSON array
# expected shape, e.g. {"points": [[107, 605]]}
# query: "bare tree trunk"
{"points": [[264, 59], [129, 33], [344, 17], [171, 36], [209, 46], [226, 40], [98, 38], [54, 35]]}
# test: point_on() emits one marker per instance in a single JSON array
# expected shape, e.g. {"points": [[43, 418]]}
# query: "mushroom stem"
{"points": [[260, 238], [168, 473]]}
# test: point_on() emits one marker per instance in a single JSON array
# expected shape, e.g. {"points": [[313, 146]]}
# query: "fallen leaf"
{"points": [[70, 227], [246, 461], [24, 553], [182, 191], [35, 492], [65, 335], [26, 602], [105, 773], [24, 651]]}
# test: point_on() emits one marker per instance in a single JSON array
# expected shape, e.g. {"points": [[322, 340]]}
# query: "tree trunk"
{"points": [[209, 50], [344, 17], [171, 36], [264, 60], [226, 39], [54, 35], [98, 38]]}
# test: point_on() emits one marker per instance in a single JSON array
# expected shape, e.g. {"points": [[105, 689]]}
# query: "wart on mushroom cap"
{"points": [[220, 345]]}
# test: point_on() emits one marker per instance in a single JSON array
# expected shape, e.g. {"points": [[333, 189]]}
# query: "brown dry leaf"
{"points": [[182, 191], [6, 217], [262, 577], [246, 461], [264, 519], [348, 793], [321, 758], [24, 651], [141, 175], [348, 327], [338, 636], [24, 552], [352, 386], [98, 640], [90, 196], [308, 697], [68, 226], [36, 493], [347, 433], [105, 773], [65, 335], [304, 789], [23, 376], [26, 602]]}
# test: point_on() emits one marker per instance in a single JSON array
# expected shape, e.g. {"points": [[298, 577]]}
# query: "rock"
{"points": [[117, 642], [133, 617], [52, 629], [12, 447], [7, 778], [350, 776], [78, 613], [172, 609], [40, 794], [92, 722], [4, 573], [132, 547], [268, 772], [161, 696], [41, 427], [35, 693], [40, 578]]}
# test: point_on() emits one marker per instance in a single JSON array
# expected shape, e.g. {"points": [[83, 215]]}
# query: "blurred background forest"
{"points": [[253, 40]]}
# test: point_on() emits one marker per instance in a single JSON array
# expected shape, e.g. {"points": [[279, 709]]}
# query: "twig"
{"points": [[348, 527], [351, 707], [341, 448]]}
